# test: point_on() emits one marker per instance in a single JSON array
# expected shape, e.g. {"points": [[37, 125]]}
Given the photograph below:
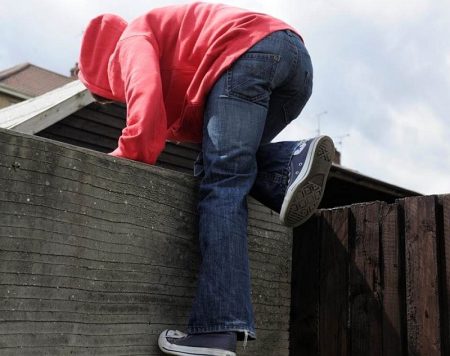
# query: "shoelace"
{"points": [[245, 338]]}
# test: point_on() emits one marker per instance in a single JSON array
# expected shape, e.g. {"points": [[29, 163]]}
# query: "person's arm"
{"points": [[144, 137]]}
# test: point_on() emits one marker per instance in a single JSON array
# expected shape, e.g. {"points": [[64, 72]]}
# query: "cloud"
{"points": [[408, 147], [48, 32], [418, 139], [386, 12], [382, 72], [416, 124]]}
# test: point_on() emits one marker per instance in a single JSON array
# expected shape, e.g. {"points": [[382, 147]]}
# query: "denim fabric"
{"points": [[249, 105]]}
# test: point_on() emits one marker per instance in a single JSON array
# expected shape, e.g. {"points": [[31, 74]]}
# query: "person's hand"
{"points": [[116, 153]]}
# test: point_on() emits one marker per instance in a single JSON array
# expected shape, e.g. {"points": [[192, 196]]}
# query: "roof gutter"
{"points": [[10, 91], [357, 178]]}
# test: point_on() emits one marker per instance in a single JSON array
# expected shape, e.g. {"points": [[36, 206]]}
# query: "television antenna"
{"points": [[318, 120], [340, 140]]}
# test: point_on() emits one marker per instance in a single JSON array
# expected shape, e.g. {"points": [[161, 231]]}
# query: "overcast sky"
{"points": [[382, 73]]}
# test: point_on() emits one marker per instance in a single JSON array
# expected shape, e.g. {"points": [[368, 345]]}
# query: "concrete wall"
{"points": [[98, 254]]}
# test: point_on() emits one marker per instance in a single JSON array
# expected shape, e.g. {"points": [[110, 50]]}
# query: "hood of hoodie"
{"points": [[98, 44]]}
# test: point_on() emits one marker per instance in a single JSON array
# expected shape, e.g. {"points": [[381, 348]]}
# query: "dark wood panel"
{"points": [[101, 117], [365, 281], [392, 289], [116, 110], [77, 134], [92, 127], [305, 288], [422, 295], [444, 249], [334, 269], [62, 138]]}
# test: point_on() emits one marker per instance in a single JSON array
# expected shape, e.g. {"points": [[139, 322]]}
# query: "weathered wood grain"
{"points": [[422, 296], [383, 285], [86, 132], [334, 269], [305, 288], [392, 291], [365, 281], [444, 231], [98, 254]]}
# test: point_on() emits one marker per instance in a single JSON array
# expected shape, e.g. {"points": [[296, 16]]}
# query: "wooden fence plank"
{"points": [[422, 296], [98, 255], [444, 222], [364, 281], [393, 327], [305, 288], [334, 261]]}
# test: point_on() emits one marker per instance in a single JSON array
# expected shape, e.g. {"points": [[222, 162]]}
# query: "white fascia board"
{"points": [[36, 114]]}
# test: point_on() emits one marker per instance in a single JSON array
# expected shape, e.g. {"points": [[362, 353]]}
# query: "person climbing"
{"points": [[230, 79]]}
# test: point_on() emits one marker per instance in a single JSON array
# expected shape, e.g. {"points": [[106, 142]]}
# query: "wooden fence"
{"points": [[373, 279], [98, 255]]}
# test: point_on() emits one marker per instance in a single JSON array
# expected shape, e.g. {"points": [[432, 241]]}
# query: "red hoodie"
{"points": [[163, 64]]}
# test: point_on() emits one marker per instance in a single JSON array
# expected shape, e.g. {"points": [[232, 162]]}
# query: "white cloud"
{"points": [[386, 12], [382, 72], [446, 68], [417, 125], [412, 151], [397, 164]]}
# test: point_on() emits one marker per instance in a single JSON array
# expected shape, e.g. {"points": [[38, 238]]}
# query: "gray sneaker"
{"points": [[309, 168], [174, 342]]}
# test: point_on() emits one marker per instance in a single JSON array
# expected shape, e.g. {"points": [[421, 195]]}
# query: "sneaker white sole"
{"points": [[304, 195], [173, 349]]}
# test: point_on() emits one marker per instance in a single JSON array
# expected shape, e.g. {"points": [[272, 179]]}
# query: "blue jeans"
{"points": [[248, 106]]}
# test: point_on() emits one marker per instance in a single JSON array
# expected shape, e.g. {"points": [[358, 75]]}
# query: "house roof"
{"points": [[30, 80]]}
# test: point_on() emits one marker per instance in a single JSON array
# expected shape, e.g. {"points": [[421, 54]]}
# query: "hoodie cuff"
{"points": [[150, 159], [117, 153]]}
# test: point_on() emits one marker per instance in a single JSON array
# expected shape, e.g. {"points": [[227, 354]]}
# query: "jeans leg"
{"points": [[235, 124], [232, 132], [286, 103]]}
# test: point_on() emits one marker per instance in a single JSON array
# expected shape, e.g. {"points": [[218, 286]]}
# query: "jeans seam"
{"points": [[296, 59]]}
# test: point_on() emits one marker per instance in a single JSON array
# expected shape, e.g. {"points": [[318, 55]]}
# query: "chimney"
{"points": [[74, 71]]}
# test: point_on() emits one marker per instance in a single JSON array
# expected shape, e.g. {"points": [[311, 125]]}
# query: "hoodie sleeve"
{"points": [[144, 137]]}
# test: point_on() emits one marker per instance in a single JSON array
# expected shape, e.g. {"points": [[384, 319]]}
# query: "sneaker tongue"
{"points": [[301, 146], [298, 159]]}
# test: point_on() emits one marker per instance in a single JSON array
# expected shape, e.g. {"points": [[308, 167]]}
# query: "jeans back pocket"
{"points": [[251, 76]]}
